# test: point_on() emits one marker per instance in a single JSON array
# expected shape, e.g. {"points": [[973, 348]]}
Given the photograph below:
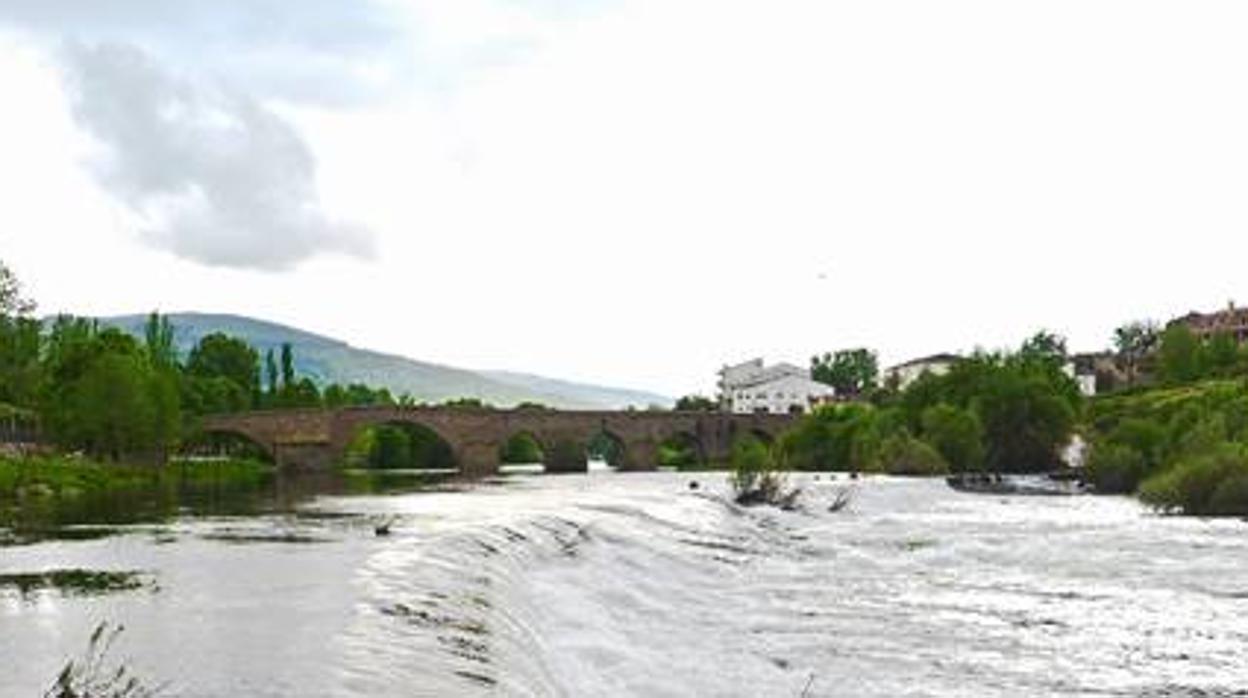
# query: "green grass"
{"points": [[61, 476]]}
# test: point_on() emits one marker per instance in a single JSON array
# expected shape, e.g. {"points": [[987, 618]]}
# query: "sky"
{"points": [[630, 192]]}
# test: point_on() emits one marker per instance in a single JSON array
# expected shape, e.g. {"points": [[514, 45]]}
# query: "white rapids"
{"points": [[637, 585]]}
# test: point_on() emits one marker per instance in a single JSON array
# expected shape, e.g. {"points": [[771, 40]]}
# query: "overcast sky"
{"points": [[630, 192]]}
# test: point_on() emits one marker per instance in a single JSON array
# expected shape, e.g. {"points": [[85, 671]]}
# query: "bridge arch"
{"points": [[225, 442], [398, 443], [681, 448]]}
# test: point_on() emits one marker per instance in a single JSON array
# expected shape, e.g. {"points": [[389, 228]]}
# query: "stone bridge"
{"points": [[318, 438]]}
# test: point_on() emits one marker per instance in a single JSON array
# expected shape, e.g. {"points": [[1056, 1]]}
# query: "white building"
{"points": [[902, 375], [779, 389]]}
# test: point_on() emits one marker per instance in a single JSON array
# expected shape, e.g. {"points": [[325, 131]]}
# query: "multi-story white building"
{"points": [[779, 389]]}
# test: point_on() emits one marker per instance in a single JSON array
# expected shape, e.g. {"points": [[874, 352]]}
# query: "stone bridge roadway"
{"points": [[318, 438]]}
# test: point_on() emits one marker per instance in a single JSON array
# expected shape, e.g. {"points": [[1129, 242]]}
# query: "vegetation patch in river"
{"points": [[76, 582]]}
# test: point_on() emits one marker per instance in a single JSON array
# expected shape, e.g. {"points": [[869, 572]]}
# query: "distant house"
{"points": [[902, 375], [1232, 321], [779, 389]]}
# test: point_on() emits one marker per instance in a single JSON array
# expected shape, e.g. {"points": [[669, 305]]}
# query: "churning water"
{"points": [[636, 585]]}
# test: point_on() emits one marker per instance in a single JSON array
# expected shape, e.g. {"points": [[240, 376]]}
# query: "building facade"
{"points": [[902, 375], [1232, 321], [778, 389]]}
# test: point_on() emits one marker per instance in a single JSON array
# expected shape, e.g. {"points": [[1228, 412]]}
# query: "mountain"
{"points": [[327, 360]]}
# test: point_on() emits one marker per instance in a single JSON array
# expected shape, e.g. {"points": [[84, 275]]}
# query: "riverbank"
{"points": [[40, 477]]}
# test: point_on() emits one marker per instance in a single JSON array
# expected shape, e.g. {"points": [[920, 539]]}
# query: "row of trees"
{"points": [[1002, 411], [109, 394]]}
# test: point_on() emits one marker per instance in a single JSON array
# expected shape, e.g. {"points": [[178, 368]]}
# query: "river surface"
{"points": [[635, 585]]}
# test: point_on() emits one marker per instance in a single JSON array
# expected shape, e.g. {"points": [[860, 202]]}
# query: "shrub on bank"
{"points": [[902, 454], [1210, 484], [1116, 468]]}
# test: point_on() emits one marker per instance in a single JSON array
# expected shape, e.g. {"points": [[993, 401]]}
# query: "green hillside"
{"points": [[329, 360]]}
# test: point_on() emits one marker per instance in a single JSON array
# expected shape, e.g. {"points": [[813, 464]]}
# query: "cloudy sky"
{"points": [[630, 192]]}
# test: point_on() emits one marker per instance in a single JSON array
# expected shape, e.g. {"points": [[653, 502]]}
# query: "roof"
{"points": [[933, 359]]}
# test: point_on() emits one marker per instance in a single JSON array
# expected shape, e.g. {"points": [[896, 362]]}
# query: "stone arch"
{"points": [[682, 448], [436, 451], [513, 450], [226, 441]]}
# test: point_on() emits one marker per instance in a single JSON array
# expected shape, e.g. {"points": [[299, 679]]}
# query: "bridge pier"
{"points": [[641, 455], [478, 459], [303, 456]]}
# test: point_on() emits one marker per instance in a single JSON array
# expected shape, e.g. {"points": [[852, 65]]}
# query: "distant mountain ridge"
{"points": [[328, 360]]}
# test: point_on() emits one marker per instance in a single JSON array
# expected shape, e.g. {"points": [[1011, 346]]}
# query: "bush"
{"points": [[1116, 468], [756, 477], [902, 454], [1212, 484], [955, 433]]}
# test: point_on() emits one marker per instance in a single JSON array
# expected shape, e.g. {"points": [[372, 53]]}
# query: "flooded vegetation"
{"points": [[632, 584]]}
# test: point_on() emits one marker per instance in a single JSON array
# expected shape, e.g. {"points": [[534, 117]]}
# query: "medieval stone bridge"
{"points": [[318, 438]]}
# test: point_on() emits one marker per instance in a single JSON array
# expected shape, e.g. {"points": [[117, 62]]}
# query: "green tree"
{"points": [[288, 365], [1134, 341], [270, 373], [1220, 355], [12, 302], [158, 340], [850, 371], [1180, 355], [696, 403], [957, 434], [224, 374]]}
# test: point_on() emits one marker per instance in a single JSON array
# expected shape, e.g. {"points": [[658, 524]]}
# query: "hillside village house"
{"points": [[779, 389], [1232, 321], [902, 375]]}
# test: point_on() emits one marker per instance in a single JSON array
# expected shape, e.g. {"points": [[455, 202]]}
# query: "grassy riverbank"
{"points": [[61, 476]]}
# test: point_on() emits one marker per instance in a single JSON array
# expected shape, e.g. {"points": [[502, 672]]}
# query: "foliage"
{"points": [[680, 451], [1180, 355], [902, 454], [402, 446], [1134, 341], [757, 477], [696, 403], [522, 448], [467, 403], [1212, 484], [605, 447], [93, 676], [12, 302], [956, 434], [850, 371], [221, 356]]}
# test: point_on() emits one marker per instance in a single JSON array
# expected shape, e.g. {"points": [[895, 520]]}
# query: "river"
{"points": [[636, 585]]}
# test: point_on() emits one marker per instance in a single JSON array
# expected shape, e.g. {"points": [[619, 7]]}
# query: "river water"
{"points": [[636, 585]]}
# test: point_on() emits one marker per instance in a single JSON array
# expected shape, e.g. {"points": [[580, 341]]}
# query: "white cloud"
{"points": [[643, 192], [212, 175]]}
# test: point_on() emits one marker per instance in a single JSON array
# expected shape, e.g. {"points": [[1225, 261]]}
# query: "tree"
{"points": [[1134, 341], [957, 434], [850, 371], [158, 341], [1220, 354], [288, 365], [220, 357], [1180, 355], [1044, 347], [270, 373], [12, 302], [696, 403]]}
